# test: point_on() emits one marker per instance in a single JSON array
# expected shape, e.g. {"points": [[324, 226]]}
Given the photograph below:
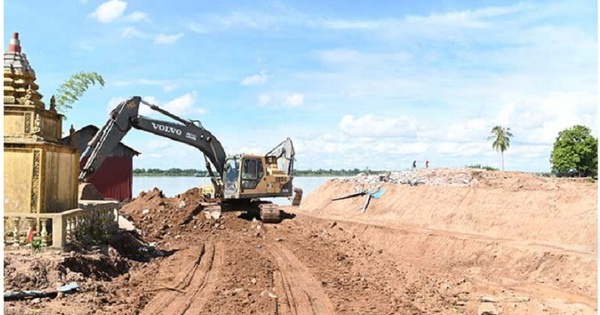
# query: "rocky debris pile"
{"points": [[428, 177]]}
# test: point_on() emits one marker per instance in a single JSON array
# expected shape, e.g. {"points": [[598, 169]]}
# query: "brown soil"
{"points": [[417, 250]]}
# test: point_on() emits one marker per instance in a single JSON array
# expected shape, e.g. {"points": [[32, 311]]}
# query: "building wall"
{"points": [[18, 166], [114, 178], [14, 123], [39, 178], [21, 123], [61, 172]]}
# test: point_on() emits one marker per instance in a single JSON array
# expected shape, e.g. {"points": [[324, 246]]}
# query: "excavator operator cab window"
{"points": [[232, 169], [252, 172]]}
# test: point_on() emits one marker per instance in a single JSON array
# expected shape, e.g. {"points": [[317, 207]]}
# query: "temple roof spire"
{"points": [[19, 78], [15, 43]]}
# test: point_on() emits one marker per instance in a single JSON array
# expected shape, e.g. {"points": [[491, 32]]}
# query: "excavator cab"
{"points": [[249, 176]]}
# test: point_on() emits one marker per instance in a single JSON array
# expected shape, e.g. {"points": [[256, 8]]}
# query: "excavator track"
{"points": [[269, 213]]}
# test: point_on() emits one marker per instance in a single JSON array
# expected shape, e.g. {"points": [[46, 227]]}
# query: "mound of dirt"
{"points": [[502, 205], [31, 271], [159, 216]]}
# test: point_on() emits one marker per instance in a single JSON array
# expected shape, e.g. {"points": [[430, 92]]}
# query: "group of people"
{"points": [[415, 164]]}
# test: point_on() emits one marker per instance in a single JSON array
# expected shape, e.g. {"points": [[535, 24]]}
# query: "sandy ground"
{"points": [[332, 259]]}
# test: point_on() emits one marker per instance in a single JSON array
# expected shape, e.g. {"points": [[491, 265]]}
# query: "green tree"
{"points": [[74, 87], [501, 137], [575, 152]]}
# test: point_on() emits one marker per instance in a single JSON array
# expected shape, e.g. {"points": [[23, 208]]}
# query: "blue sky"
{"points": [[360, 84]]}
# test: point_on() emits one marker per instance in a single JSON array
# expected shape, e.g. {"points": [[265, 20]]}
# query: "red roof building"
{"points": [[114, 179]]}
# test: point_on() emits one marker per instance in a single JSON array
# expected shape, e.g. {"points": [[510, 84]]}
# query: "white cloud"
{"points": [[256, 79], [162, 39], [170, 87], [136, 16], [152, 156], [158, 144], [294, 99], [468, 131], [109, 11], [143, 109], [281, 98], [132, 32], [371, 126], [461, 149], [183, 105], [146, 110], [179, 106], [250, 150], [285, 17], [141, 81], [197, 28], [113, 102], [199, 111], [264, 99], [539, 119]]}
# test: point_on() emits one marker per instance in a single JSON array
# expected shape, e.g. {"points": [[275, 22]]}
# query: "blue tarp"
{"points": [[378, 194]]}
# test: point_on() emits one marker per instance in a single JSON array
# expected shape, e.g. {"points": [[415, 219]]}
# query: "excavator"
{"points": [[236, 179]]}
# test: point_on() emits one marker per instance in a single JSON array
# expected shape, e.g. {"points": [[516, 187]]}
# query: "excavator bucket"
{"points": [[297, 197], [212, 210]]}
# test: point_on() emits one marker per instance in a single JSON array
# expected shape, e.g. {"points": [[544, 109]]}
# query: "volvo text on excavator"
{"points": [[241, 177]]}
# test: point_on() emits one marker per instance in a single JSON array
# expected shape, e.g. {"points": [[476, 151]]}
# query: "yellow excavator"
{"points": [[236, 179]]}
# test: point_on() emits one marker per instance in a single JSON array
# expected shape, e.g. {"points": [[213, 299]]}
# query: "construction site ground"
{"points": [[505, 243]]}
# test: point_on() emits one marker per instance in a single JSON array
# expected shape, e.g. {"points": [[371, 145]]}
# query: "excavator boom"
{"points": [[125, 116]]}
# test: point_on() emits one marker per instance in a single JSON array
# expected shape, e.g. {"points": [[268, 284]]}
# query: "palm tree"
{"points": [[501, 137]]}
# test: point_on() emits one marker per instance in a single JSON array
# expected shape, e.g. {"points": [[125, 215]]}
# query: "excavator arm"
{"points": [[285, 151], [125, 116]]}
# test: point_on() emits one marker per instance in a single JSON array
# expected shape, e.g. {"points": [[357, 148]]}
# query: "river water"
{"points": [[172, 186]]}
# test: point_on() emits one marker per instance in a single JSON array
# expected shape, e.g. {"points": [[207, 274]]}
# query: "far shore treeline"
{"points": [[202, 173]]}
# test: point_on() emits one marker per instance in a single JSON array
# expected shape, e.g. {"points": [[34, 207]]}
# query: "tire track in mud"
{"points": [[193, 284], [297, 291]]}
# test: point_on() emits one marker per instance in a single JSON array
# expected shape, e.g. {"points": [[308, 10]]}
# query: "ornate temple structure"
{"points": [[40, 174]]}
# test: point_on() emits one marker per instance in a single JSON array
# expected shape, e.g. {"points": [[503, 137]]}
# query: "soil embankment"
{"points": [[499, 205], [532, 235]]}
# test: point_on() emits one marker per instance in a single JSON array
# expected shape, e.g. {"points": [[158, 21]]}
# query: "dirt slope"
{"points": [[507, 231], [499, 205]]}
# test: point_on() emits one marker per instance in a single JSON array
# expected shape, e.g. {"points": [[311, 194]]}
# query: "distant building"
{"points": [[115, 177]]}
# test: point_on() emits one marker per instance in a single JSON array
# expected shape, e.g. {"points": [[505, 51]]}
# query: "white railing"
{"points": [[94, 221]]}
